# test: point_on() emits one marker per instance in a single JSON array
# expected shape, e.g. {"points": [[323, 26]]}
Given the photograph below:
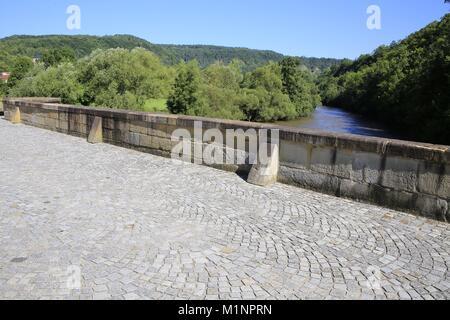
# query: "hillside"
{"points": [[33, 46], [404, 85]]}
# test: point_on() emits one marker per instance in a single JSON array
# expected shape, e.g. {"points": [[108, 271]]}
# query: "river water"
{"points": [[338, 120]]}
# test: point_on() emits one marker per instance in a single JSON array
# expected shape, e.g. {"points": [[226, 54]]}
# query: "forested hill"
{"points": [[405, 85], [33, 46]]}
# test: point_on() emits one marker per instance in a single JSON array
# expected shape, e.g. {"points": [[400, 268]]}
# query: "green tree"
{"points": [[299, 85], [186, 95], [59, 81], [263, 98], [119, 78], [404, 85], [55, 56], [21, 65]]}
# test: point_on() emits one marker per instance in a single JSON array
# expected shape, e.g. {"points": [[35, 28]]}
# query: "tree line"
{"points": [[404, 85], [82, 45], [127, 79]]}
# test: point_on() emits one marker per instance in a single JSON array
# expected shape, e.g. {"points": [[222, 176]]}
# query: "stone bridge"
{"points": [[98, 221]]}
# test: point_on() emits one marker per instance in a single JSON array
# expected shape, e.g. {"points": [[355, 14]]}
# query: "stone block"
{"points": [[108, 134], [52, 114], [295, 154], [354, 190], [323, 160], [309, 179], [432, 207], [133, 138], [63, 125], [434, 179], [370, 164], [163, 144], [387, 197], [265, 173], [121, 125], [96, 133], [15, 117], [343, 166], [51, 123], [158, 130], [140, 127], [63, 116], [400, 174], [82, 118], [146, 141], [108, 123]]}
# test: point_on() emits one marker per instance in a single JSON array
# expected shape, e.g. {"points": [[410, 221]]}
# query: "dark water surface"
{"points": [[338, 120]]}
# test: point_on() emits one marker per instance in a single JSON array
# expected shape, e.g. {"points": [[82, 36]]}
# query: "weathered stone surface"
{"points": [[369, 164], [15, 118], [136, 226], [323, 160], [353, 189], [344, 166], [139, 127], [447, 216], [295, 155], [400, 174], [266, 173], [133, 138], [145, 141], [96, 133], [434, 179], [309, 179], [162, 144], [432, 207]]}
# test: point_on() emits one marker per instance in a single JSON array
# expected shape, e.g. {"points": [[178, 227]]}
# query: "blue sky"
{"points": [[328, 28]]}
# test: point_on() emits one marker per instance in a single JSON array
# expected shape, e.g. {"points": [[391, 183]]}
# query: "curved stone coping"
{"points": [[382, 146]]}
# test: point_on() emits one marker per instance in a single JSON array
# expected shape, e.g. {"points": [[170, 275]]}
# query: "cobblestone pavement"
{"points": [[82, 221]]}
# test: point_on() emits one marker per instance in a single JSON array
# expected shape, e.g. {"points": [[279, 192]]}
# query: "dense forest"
{"points": [[35, 46], [405, 85], [137, 79]]}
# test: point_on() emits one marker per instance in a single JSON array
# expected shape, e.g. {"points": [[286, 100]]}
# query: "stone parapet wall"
{"points": [[398, 174]]}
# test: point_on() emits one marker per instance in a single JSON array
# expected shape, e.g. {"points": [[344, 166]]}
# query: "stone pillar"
{"points": [[96, 133], [15, 118], [266, 174]]}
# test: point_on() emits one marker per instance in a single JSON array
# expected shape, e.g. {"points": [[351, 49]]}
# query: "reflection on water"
{"points": [[338, 120]]}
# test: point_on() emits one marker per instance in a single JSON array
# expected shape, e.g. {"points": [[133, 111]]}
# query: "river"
{"points": [[338, 120]]}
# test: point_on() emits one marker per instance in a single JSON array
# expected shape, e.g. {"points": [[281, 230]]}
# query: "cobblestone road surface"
{"points": [[82, 221]]}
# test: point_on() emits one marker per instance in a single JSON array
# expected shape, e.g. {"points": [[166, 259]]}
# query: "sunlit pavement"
{"points": [[82, 221]]}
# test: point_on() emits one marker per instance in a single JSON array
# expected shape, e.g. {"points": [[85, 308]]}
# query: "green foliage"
{"points": [[136, 79], [20, 66], [405, 85], [60, 81], [223, 91], [263, 97], [156, 105], [120, 78], [36, 46], [186, 95], [299, 85], [55, 56]]}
